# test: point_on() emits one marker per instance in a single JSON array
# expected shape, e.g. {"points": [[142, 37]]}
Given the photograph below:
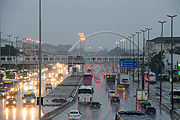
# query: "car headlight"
{"points": [[14, 102], [7, 102], [24, 101], [32, 101], [2, 93], [12, 89]]}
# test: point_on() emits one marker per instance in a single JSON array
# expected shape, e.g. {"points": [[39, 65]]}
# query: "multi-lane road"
{"points": [[108, 111]]}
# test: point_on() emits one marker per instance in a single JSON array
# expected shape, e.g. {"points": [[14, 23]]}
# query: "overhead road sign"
{"points": [[128, 62]]}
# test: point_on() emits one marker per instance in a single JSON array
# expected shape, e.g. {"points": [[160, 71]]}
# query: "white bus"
{"points": [[152, 77], [85, 94]]}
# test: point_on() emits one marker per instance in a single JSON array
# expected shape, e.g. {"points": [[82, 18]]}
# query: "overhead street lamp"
{"points": [[148, 29], [9, 50], [0, 48], [172, 42], [133, 53], [16, 51], [138, 57], [40, 60], [162, 23], [143, 59], [130, 45]]}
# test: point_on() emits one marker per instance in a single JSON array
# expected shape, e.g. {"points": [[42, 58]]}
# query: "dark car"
{"points": [[3, 93], [150, 110], [115, 99], [145, 104], [95, 105], [11, 102]]}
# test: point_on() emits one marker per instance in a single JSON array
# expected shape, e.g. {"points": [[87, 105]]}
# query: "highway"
{"points": [[29, 112], [107, 111]]}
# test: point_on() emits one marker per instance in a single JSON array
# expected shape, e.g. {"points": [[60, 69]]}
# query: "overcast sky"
{"points": [[62, 20]]}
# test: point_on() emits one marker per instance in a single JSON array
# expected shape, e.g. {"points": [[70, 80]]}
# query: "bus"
{"points": [[87, 79], [8, 83], [29, 98], [176, 94], [110, 79], [85, 94], [12, 75]]}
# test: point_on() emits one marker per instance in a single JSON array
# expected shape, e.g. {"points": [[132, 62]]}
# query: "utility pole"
{"points": [[172, 42], [0, 48], [162, 23], [143, 58]]}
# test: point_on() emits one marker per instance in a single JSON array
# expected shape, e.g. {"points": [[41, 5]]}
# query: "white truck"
{"points": [[125, 80]]}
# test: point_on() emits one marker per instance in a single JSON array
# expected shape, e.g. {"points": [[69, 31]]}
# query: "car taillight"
{"points": [[68, 115], [91, 105], [118, 98], [111, 98], [98, 105], [149, 105], [90, 98], [143, 105], [78, 115], [137, 101]]}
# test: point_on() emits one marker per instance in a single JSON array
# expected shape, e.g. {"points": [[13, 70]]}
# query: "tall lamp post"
{"points": [[130, 45], [40, 60], [117, 45], [162, 23], [138, 57], [148, 29], [172, 101], [133, 53], [9, 49], [16, 51], [143, 58], [0, 48]]}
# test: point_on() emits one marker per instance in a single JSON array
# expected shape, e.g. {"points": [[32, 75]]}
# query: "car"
{"points": [[150, 110], [74, 115], [11, 102], [97, 79], [48, 86], [115, 99], [111, 93], [3, 93], [145, 104], [95, 105], [121, 88]]}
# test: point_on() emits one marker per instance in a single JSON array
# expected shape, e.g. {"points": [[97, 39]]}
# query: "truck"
{"points": [[131, 115], [29, 98], [124, 80], [110, 79]]}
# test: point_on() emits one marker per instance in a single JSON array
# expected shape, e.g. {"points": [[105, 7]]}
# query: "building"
{"points": [[155, 45]]}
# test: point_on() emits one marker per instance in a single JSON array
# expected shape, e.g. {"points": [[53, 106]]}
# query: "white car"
{"points": [[74, 115], [112, 93]]}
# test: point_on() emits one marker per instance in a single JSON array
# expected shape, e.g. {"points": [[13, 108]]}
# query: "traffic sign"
{"points": [[128, 64], [128, 60], [105, 58]]}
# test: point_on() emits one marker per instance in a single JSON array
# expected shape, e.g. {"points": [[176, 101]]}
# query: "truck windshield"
{"points": [[85, 91], [177, 93]]}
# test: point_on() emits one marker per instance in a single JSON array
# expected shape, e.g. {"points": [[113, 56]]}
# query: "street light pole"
{"points": [[40, 60], [162, 23], [133, 53], [172, 42], [130, 45], [138, 57], [143, 59], [9, 50], [148, 29], [0, 48], [16, 51]]}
